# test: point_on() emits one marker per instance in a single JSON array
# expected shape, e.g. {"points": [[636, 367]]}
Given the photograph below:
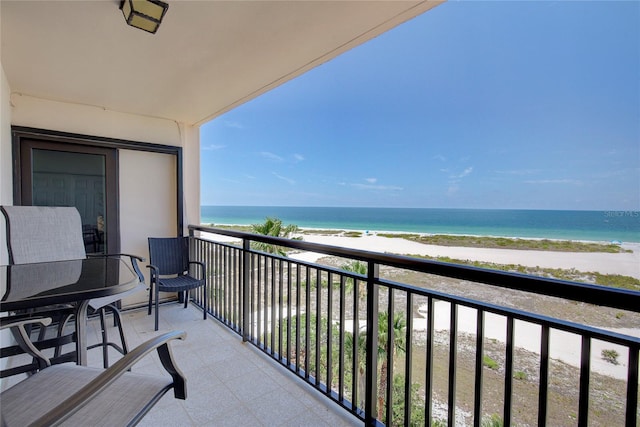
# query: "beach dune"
{"points": [[627, 264]]}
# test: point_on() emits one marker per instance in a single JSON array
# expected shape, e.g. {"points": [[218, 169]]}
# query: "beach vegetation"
{"points": [[358, 267], [520, 375], [352, 234], [610, 355], [508, 243], [273, 227], [489, 362], [611, 280], [493, 420]]}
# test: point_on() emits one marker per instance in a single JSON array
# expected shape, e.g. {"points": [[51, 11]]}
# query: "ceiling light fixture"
{"points": [[144, 14]]}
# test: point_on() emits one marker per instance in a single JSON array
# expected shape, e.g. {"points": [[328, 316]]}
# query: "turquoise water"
{"points": [[623, 226]]}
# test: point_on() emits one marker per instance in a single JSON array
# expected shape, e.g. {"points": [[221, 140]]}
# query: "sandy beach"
{"points": [[627, 264], [564, 346]]}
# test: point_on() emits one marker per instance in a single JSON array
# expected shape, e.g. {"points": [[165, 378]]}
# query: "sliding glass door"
{"points": [[57, 174]]}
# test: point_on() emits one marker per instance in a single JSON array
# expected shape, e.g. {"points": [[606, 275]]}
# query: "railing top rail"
{"points": [[623, 299]]}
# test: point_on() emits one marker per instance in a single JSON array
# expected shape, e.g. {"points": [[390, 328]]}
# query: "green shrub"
{"points": [[494, 420], [520, 375], [489, 362], [610, 356]]}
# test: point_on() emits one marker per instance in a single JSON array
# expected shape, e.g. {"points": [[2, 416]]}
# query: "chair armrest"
{"points": [[79, 399], [154, 272], [202, 267], [22, 337]]}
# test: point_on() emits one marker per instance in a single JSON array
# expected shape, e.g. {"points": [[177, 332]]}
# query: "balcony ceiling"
{"points": [[207, 57]]}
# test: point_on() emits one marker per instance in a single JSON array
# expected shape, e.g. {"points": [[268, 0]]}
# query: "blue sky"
{"points": [[514, 105]]}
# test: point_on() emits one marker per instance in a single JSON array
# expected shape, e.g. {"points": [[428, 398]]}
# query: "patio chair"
{"points": [[170, 271], [73, 395], [45, 234]]}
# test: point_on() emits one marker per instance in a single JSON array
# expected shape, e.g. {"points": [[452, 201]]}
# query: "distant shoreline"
{"points": [[627, 264]]}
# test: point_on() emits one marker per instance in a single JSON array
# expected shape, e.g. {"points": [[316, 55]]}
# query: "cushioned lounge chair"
{"points": [[72, 395]]}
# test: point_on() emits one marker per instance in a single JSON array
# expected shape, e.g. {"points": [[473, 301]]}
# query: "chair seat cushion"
{"points": [[178, 284], [119, 404]]}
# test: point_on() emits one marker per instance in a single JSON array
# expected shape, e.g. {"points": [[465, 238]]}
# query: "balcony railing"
{"points": [[372, 345]]}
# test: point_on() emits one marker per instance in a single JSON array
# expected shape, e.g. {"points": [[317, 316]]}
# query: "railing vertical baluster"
{"points": [[298, 310], [225, 291], [289, 303], [273, 327], [372, 343], [318, 325], [236, 292], [585, 373], [544, 376], [341, 348], [632, 387], [408, 362], [428, 387], [390, 349], [280, 308], [265, 307], [453, 345], [307, 319], [246, 285], [355, 368], [219, 279], [259, 299], [508, 374], [329, 333], [479, 367]]}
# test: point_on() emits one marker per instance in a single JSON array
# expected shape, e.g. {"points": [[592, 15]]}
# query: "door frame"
{"points": [[25, 137]]}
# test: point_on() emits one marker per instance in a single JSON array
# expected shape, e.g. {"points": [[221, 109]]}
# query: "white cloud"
{"points": [[377, 187], [213, 147], [236, 125], [519, 172], [440, 157], [284, 178], [271, 156], [371, 180], [554, 181], [298, 157]]}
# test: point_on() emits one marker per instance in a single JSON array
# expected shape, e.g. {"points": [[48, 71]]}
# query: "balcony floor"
{"points": [[229, 383]]}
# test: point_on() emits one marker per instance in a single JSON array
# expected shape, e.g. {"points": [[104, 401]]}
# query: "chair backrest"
{"points": [[43, 234], [169, 254]]}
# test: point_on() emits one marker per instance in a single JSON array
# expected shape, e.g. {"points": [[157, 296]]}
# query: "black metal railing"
{"points": [[371, 344]]}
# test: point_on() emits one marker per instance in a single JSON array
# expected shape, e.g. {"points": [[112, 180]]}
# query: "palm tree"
{"points": [[272, 227], [360, 268], [399, 332], [399, 326]]}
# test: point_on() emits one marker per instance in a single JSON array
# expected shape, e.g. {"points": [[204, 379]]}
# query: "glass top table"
{"points": [[32, 286]]}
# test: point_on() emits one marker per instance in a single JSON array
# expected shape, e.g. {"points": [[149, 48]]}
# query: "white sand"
{"points": [[563, 346], [627, 264]]}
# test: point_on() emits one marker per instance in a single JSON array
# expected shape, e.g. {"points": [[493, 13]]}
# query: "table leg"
{"points": [[81, 332]]}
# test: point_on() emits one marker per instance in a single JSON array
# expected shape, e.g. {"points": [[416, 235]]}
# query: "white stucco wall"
{"points": [[143, 176], [6, 185]]}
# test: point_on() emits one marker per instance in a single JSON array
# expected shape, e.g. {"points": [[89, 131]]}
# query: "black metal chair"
{"points": [[171, 268]]}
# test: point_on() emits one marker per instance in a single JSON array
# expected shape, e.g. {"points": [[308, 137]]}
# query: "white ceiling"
{"points": [[207, 57]]}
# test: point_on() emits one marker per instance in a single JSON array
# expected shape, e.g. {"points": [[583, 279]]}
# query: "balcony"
{"points": [[282, 348], [472, 355], [229, 382]]}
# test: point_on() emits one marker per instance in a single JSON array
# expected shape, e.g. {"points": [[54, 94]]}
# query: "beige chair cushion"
{"points": [[43, 234], [123, 401]]}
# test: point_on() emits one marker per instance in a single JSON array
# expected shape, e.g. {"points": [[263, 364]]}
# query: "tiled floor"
{"points": [[228, 383]]}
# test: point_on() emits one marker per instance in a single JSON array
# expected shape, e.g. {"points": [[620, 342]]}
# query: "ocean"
{"points": [[608, 226]]}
